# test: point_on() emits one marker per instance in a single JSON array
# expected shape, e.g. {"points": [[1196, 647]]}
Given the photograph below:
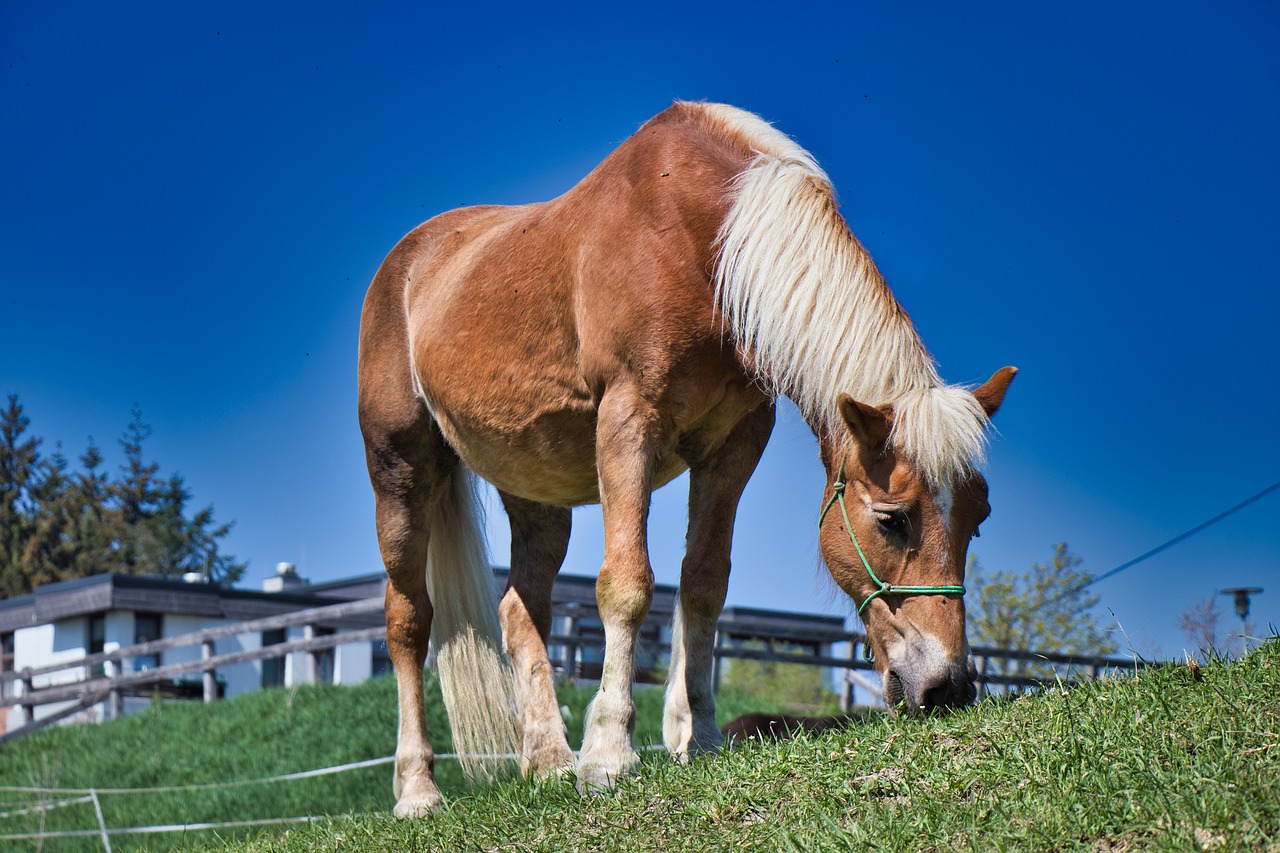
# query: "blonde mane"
{"points": [[802, 295]]}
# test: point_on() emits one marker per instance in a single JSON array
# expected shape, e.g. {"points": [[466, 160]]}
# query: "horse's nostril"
{"points": [[893, 692], [948, 694], [936, 697]]}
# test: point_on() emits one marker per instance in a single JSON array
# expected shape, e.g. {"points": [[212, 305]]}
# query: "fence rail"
{"points": [[781, 644]]}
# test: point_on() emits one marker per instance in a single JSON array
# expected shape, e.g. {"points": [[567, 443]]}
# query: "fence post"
{"points": [[716, 644], [28, 708], [572, 650], [210, 675], [982, 676], [313, 666], [847, 688], [114, 702]]}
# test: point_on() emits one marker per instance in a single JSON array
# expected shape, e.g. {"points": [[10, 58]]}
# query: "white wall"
{"points": [[64, 641], [67, 640], [41, 645], [352, 663]]}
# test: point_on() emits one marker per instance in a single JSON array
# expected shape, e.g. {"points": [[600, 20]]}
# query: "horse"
{"points": [[591, 348]]}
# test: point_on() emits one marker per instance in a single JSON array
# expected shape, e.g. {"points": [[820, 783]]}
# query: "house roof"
{"points": [[100, 593]]}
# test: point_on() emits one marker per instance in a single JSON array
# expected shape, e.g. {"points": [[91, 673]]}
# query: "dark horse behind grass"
{"points": [[593, 347]]}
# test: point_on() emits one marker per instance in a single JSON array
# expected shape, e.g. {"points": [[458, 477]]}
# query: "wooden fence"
{"points": [[102, 676]]}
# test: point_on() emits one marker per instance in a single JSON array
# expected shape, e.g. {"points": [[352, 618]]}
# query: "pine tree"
{"points": [[19, 459], [137, 497], [47, 553], [70, 538], [57, 524], [88, 498]]}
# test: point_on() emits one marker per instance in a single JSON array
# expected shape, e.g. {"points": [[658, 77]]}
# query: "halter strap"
{"points": [[882, 588]]}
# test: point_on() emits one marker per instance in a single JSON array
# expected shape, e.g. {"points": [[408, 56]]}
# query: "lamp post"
{"points": [[1242, 594]]}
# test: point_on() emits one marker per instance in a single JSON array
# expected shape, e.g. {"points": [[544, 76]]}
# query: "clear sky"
{"points": [[195, 197]]}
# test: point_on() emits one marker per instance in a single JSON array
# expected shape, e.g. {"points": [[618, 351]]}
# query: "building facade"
{"points": [[65, 622]]}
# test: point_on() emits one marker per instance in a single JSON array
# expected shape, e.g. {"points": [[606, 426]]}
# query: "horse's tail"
{"points": [[475, 676]]}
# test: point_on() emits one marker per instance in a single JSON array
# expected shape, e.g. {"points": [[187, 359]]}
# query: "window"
{"points": [[381, 662], [6, 662], [324, 659], [146, 628], [273, 668]]}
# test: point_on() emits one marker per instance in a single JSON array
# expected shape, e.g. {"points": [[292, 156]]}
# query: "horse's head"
{"points": [[897, 543]]}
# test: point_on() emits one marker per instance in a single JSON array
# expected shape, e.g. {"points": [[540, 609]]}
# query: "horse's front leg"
{"points": [[625, 442], [715, 486], [539, 539]]}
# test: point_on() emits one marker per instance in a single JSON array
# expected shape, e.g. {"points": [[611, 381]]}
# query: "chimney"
{"points": [[286, 579]]}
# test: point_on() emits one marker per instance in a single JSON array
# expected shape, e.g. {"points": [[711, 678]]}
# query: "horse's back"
{"points": [[516, 321]]}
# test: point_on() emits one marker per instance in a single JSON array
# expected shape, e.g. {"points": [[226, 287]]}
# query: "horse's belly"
{"points": [[554, 466], [550, 460]]}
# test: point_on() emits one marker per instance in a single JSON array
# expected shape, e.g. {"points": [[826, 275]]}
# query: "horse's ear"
{"points": [[869, 425], [991, 394]]}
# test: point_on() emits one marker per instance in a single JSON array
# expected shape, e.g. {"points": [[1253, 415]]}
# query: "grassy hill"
{"points": [[1175, 759]]}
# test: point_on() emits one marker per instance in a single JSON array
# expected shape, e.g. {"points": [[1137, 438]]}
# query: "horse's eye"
{"points": [[893, 522]]}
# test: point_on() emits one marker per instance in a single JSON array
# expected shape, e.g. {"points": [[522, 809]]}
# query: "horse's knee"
{"points": [[624, 596]]}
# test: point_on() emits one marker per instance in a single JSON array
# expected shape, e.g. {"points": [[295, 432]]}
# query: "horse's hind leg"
{"points": [[539, 540], [408, 469], [715, 486]]}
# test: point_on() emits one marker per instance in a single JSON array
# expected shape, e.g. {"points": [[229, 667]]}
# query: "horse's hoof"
{"points": [[703, 739], [598, 774], [547, 763], [410, 807]]}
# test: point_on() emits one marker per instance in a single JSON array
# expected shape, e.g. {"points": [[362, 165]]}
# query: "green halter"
{"points": [[882, 588]]}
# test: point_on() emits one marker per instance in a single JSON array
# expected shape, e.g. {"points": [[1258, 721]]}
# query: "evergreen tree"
{"points": [[70, 538], [88, 499], [19, 459], [1045, 609], [56, 524], [137, 498], [49, 546]]}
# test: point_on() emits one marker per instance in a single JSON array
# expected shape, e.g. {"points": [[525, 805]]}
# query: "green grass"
{"points": [[267, 733], [1164, 761]]}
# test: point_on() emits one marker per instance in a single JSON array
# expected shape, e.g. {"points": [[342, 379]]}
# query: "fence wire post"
{"points": [[210, 675], [102, 824]]}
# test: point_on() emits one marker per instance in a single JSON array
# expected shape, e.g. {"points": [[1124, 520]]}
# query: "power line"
{"points": [[1180, 537], [1167, 545]]}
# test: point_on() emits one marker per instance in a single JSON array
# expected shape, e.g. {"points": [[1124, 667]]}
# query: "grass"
{"points": [[266, 733], [1176, 759]]}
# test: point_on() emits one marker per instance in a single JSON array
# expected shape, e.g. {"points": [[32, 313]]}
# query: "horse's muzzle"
{"points": [[948, 687]]}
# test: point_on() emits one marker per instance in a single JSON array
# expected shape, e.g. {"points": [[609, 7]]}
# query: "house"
{"points": [[64, 622]]}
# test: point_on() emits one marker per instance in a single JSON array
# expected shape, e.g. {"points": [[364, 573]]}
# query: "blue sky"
{"points": [[195, 197]]}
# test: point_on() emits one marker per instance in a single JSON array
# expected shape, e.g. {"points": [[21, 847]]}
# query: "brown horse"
{"points": [[593, 347]]}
